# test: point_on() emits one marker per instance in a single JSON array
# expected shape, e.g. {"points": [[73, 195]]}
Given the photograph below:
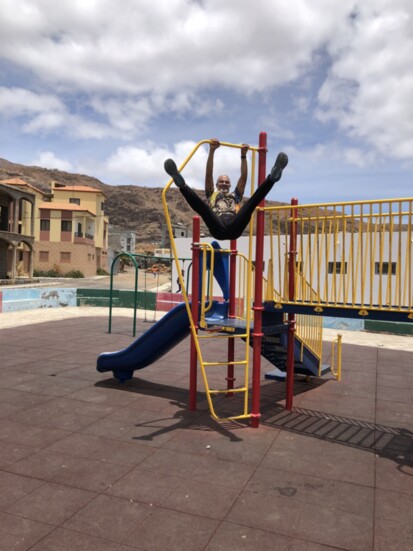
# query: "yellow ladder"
{"points": [[226, 329], [220, 331]]}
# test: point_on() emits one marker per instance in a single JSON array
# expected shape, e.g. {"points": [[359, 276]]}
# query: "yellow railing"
{"points": [[354, 255], [309, 331]]}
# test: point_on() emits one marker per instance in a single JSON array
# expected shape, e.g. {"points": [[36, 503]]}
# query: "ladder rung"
{"points": [[220, 336], [235, 417], [243, 362], [218, 391]]}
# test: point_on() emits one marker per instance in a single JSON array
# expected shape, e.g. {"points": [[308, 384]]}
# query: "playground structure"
{"points": [[140, 262], [336, 259]]}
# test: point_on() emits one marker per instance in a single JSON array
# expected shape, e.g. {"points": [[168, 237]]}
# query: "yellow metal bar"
{"points": [[225, 390], [334, 371], [331, 217], [220, 336], [342, 204], [240, 362], [233, 418]]}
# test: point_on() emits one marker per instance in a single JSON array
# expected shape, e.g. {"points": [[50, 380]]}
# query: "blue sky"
{"points": [[112, 89]]}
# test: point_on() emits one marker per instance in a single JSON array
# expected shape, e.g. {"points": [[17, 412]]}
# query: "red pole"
{"points": [[196, 236], [258, 307], [231, 314], [291, 317]]}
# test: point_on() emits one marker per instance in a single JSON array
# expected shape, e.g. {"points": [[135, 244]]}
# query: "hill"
{"points": [[136, 208]]}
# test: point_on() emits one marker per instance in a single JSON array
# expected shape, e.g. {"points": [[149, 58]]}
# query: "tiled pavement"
{"points": [[86, 463]]}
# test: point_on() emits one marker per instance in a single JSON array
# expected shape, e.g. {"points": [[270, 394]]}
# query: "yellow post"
{"points": [[336, 373]]}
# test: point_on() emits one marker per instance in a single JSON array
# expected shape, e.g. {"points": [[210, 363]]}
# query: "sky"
{"points": [[111, 89]]}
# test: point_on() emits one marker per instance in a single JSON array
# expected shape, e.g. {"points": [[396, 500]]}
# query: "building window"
{"points": [[74, 200], [385, 268], [44, 225], [66, 225], [336, 268], [102, 206], [43, 256], [89, 257], [65, 258]]}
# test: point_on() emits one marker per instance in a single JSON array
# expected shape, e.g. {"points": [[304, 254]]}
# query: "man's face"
{"points": [[223, 183]]}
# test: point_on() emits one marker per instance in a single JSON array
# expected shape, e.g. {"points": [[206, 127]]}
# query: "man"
{"points": [[221, 214], [178, 281]]}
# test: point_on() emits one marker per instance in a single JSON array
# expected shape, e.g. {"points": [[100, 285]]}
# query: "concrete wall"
{"points": [[14, 300], [82, 257]]}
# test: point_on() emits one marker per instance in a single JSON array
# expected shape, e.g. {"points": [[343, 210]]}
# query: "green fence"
{"points": [[145, 300]]}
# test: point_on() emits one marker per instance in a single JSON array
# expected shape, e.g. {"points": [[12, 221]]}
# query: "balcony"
{"points": [[16, 237], [81, 237]]}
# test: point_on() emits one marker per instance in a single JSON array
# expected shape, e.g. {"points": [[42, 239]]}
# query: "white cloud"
{"points": [[47, 159], [90, 71], [44, 113], [19, 102], [369, 89], [165, 46], [144, 165]]}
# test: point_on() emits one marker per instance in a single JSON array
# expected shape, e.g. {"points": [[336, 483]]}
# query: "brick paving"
{"points": [[87, 463]]}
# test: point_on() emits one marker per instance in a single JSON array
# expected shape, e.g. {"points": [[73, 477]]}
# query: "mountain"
{"points": [[136, 208]]}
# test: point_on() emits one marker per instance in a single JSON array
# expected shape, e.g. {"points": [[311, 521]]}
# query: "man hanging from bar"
{"points": [[222, 214]]}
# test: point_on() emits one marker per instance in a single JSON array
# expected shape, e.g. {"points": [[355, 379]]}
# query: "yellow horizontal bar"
{"points": [[234, 418], [343, 204], [182, 166], [243, 362], [357, 216], [218, 391], [235, 145], [222, 336], [349, 305]]}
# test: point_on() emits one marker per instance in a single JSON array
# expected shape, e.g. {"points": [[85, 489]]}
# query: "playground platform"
{"points": [[87, 463]]}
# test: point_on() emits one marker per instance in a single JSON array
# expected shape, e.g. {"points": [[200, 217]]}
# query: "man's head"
{"points": [[223, 183]]}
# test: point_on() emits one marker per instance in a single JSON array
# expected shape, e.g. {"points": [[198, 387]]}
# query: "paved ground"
{"points": [[86, 463]]}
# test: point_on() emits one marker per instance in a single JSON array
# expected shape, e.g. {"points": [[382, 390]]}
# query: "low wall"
{"points": [[14, 300], [17, 299]]}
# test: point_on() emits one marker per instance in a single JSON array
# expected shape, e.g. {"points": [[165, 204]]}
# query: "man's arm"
{"points": [[244, 170], [209, 173]]}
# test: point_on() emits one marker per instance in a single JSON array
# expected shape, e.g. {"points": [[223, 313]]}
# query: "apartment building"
{"points": [[17, 223], [70, 227]]}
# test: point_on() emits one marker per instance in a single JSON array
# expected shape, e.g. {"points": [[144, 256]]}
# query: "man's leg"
{"points": [[213, 222]]}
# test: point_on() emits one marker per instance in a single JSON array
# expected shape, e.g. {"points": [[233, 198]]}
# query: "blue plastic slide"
{"points": [[149, 347]]}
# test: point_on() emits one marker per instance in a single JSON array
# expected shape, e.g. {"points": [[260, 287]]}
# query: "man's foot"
{"points": [[277, 170], [171, 169]]}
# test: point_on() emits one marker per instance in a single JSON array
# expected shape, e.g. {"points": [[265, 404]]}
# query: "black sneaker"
{"points": [[171, 169], [277, 170]]}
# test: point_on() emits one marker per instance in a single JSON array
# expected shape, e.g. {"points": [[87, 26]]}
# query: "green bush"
{"points": [[53, 273], [46, 273], [76, 274], [101, 271]]}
